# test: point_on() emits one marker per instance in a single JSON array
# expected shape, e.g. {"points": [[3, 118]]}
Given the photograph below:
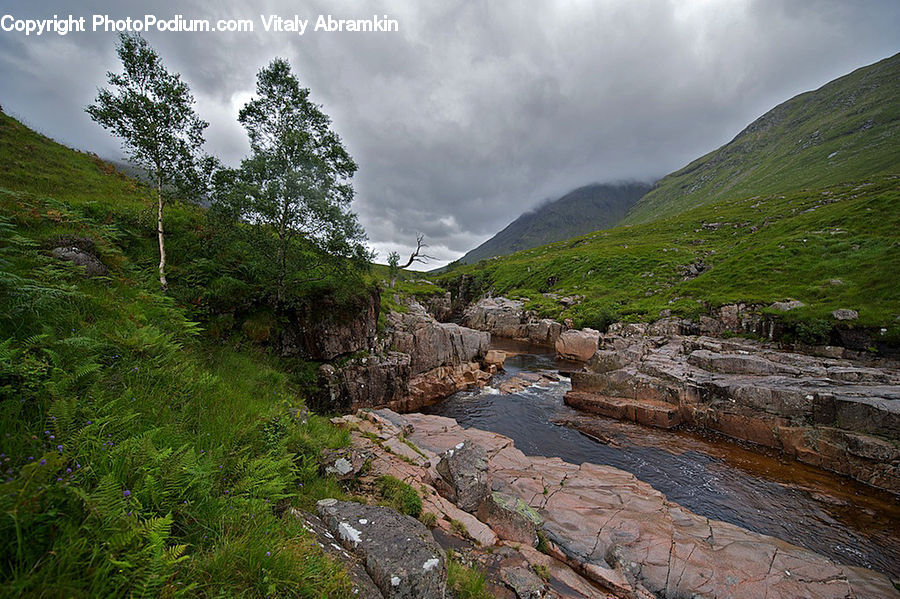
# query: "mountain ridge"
{"points": [[582, 210]]}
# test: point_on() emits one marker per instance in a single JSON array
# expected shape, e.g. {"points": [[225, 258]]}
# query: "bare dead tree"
{"points": [[417, 255]]}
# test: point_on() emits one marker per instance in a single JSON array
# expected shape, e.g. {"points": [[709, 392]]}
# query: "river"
{"points": [[762, 491]]}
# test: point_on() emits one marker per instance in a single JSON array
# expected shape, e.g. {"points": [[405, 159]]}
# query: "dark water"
{"points": [[764, 492]]}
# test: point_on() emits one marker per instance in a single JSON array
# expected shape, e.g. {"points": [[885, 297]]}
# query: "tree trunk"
{"points": [[159, 233]]}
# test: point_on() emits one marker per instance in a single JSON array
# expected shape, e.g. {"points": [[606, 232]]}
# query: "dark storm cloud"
{"points": [[476, 111]]}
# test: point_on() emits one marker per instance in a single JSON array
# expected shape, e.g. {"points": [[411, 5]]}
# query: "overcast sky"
{"points": [[476, 110]]}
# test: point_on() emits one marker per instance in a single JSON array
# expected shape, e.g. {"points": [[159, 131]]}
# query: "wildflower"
{"points": [[59, 448], [126, 493], [268, 553], [90, 422], [43, 462], [68, 471], [59, 480], [52, 437], [30, 458]]}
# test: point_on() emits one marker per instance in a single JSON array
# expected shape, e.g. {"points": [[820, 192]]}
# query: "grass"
{"points": [[398, 495], [844, 131], [832, 247], [141, 455], [466, 582]]}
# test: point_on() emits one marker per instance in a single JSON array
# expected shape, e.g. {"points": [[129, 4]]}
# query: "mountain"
{"points": [[847, 129], [586, 209]]}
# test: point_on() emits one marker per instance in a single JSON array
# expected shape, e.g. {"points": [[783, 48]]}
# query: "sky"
{"points": [[474, 111]]}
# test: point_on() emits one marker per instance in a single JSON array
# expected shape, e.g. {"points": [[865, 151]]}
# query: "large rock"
{"points": [[578, 345], [463, 468], [635, 542], [326, 328], [365, 382], [76, 253], [510, 517], [399, 553], [431, 344], [508, 318]]}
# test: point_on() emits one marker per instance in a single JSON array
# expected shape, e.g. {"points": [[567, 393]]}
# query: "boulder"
{"points": [[845, 314], [523, 581], [92, 265], [578, 344], [343, 464], [787, 306], [400, 554], [511, 518], [495, 358], [463, 469], [327, 328]]}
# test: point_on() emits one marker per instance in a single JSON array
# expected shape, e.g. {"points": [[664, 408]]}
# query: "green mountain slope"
{"points": [[581, 211], [845, 130], [833, 247]]}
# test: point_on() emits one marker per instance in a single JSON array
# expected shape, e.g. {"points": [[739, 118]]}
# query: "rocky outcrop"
{"points": [[578, 345], [602, 525], [399, 553], [828, 412], [326, 329], [368, 381], [431, 344], [509, 319], [420, 362], [81, 251]]}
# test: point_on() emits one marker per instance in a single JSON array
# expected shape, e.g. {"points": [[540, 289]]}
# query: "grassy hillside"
{"points": [[843, 131], [832, 247], [139, 455], [581, 211]]}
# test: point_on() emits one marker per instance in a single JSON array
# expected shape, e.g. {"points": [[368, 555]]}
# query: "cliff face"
{"points": [[326, 330], [416, 361]]}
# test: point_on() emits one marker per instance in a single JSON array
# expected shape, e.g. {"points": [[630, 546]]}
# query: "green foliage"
{"points": [[843, 131], [466, 582], [428, 519], [830, 248], [137, 460], [294, 189], [152, 111], [399, 495]]}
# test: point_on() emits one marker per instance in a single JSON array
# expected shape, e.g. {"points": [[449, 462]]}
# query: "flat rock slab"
{"points": [[630, 538], [399, 553]]}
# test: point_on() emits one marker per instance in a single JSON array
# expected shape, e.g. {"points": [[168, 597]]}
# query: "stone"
{"points": [[363, 586], [510, 518], [494, 357], [344, 463], [845, 314], [400, 554], [508, 318], [363, 382], [431, 344], [578, 344], [787, 305], [523, 581], [93, 267], [328, 327], [463, 468]]}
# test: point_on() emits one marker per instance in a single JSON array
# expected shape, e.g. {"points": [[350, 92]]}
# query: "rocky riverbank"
{"points": [[413, 362], [832, 407], [834, 413], [601, 532]]}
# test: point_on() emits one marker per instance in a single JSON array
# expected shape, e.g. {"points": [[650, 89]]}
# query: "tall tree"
{"points": [[296, 183], [152, 111]]}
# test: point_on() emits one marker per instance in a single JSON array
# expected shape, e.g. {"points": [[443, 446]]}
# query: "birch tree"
{"points": [[152, 111]]}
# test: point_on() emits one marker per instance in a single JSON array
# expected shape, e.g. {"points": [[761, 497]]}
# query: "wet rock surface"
{"points": [[830, 412], [400, 554]]}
